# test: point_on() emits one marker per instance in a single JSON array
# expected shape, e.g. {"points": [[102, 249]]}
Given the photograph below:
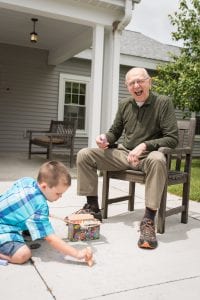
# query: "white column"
{"points": [[110, 78], [96, 85]]}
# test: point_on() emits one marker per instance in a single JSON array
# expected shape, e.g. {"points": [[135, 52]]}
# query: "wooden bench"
{"points": [[60, 134], [180, 175]]}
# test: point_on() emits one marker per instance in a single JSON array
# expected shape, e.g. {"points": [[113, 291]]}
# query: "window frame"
{"points": [[61, 99]]}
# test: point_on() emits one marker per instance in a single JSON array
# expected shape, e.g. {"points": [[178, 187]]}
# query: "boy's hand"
{"points": [[87, 255]]}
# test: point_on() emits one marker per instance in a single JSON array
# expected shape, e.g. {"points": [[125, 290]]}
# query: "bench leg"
{"points": [[29, 149], [162, 212], [185, 203], [105, 193], [49, 151], [132, 196], [71, 158]]}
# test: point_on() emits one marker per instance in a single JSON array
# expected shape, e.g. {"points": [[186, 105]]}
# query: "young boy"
{"points": [[24, 207]]}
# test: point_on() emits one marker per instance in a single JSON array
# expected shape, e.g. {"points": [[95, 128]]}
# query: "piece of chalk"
{"points": [[90, 263], [3, 262], [68, 257]]}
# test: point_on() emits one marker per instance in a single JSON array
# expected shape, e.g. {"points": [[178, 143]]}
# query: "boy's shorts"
{"points": [[9, 248]]}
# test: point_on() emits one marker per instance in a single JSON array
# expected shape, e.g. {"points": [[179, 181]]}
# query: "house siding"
{"points": [[29, 90], [29, 94]]}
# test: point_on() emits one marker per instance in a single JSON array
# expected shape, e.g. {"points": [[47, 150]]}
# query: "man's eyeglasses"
{"points": [[138, 81]]}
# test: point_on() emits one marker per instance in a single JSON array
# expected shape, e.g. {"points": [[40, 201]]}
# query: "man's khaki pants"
{"points": [[89, 160]]}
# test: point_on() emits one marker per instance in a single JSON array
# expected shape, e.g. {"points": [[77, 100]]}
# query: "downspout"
{"points": [[120, 25]]}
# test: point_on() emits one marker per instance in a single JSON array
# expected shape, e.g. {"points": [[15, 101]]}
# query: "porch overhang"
{"points": [[68, 27], [65, 28]]}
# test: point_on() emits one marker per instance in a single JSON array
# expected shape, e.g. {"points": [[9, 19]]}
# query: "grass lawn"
{"points": [[194, 184]]}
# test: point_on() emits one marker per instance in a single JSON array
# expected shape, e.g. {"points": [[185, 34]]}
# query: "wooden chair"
{"points": [[180, 175], [60, 134]]}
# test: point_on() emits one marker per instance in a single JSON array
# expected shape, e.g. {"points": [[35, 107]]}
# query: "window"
{"points": [[75, 104], [73, 98]]}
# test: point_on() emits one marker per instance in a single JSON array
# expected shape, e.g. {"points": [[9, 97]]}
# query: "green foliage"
{"points": [[180, 78], [194, 184]]}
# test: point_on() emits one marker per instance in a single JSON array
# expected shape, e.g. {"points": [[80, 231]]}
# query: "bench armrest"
{"points": [[166, 150], [37, 131], [32, 132]]}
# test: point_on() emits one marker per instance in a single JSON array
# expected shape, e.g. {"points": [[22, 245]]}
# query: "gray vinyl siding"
{"points": [[123, 93], [31, 100], [29, 90]]}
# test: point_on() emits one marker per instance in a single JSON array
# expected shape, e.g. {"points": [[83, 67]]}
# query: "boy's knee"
{"points": [[21, 256]]}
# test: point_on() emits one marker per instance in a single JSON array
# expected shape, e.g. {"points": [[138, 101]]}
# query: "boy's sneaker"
{"points": [[147, 238], [26, 235]]}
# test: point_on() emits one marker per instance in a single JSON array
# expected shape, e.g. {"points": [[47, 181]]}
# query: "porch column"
{"points": [[96, 85], [110, 90]]}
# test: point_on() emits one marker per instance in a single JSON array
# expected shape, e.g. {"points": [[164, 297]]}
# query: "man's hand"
{"points": [[133, 156], [102, 142]]}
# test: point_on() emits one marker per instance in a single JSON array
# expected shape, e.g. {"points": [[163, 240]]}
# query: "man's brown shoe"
{"points": [[147, 238]]}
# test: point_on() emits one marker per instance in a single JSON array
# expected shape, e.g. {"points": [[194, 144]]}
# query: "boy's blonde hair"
{"points": [[53, 173]]}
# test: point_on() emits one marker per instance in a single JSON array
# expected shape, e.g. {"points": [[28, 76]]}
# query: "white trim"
{"points": [[110, 91], [75, 78], [96, 84]]}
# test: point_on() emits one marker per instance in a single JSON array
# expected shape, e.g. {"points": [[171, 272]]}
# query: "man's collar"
{"points": [[147, 102]]}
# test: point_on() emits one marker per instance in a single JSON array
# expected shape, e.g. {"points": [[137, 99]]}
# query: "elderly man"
{"points": [[148, 122]]}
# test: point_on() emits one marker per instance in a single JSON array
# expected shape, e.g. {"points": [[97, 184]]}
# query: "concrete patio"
{"points": [[121, 269]]}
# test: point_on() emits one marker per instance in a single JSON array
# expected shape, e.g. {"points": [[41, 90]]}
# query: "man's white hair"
{"points": [[142, 71]]}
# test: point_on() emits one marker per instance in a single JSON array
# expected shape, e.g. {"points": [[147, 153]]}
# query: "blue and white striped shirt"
{"points": [[23, 207]]}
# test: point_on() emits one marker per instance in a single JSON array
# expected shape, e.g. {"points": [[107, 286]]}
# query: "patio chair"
{"points": [[61, 134], [180, 174]]}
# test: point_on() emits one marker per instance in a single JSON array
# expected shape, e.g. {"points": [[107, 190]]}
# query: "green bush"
{"points": [[194, 184]]}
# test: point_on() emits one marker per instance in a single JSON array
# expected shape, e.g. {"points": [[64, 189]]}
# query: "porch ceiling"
{"points": [[16, 27], [64, 27]]}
